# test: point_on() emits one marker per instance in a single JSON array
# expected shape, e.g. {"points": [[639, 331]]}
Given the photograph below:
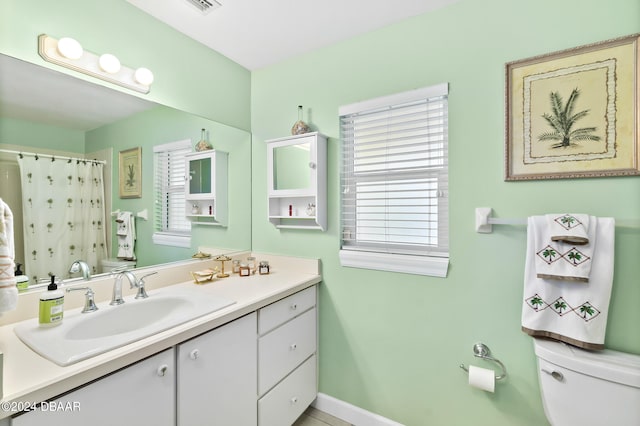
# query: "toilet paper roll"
{"points": [[482, 378]]}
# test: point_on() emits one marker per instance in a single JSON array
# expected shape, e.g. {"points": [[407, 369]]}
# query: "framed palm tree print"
{"points": [[130, 173], [574, 113]]}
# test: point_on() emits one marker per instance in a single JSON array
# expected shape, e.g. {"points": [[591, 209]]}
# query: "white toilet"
{"points": [[588, 388], [108, 265]]}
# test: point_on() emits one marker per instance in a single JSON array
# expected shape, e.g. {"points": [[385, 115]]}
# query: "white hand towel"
{"points": [[126, 236], [8, 289], [575, 313], [560, 260], [570, 228], [122, 221]]}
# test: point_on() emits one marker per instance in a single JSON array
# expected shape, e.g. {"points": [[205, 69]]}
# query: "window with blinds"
{"points": [[394, 182], [170, 221]]}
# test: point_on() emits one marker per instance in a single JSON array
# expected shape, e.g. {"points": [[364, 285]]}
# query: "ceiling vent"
{"points": [[204, 6]]}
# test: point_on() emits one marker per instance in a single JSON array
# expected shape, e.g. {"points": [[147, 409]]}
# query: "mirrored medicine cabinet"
{"points": [[297, 181], [206, 188]]}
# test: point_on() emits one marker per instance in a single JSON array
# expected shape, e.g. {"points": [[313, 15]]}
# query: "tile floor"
{"points": [[313, 417]]}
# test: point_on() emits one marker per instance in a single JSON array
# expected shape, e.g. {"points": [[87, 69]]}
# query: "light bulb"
{"points": [[70, 48], [143, 76], [109, 63]]}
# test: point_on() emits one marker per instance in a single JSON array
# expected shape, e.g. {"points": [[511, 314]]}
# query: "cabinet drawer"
{"points": [[283, 310], [282, 350], [287, 401]]}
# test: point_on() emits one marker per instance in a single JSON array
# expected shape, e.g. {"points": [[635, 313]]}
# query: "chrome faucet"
{"points": [[80, 266], [89, 302], [116, 298]]}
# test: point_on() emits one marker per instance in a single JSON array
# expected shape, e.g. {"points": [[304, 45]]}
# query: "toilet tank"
{"points": [[108, 265], [588, 388]]}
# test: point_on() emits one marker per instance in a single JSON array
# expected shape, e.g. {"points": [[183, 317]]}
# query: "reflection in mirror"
{"points": [[291, 167], [47, 112], [200, 176]]}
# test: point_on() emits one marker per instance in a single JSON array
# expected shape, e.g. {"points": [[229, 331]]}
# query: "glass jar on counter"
{"points": [[263, 268], [253, 266], [244, 270], [235, 266]]}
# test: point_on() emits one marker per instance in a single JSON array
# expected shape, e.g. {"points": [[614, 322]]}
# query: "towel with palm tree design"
{"points": [[560, 257], [569, 228], [557, 303]]}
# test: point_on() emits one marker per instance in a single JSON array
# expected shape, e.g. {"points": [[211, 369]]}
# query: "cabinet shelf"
{"points": [[293, 217]]}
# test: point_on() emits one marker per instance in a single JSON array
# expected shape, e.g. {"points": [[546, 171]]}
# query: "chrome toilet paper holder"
{"points": [[480, 350]]}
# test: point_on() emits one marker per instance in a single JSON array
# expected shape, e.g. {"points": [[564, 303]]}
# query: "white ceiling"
{"points": [[258, 33]]}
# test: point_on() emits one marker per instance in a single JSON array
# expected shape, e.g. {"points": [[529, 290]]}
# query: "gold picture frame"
{"points": [[574, 113], [130, 173]]}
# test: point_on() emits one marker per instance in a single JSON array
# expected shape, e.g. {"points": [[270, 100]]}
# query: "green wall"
{"points": [[163, 125], [391, 343], [26, 133]]}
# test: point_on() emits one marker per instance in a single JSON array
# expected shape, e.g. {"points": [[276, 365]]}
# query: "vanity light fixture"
{"points": [[109, 63], [70, 48], [68, 53]]}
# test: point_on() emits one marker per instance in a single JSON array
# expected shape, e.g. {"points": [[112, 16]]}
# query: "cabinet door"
{"points": [[141, 394], [217, 374], [200, 181]]}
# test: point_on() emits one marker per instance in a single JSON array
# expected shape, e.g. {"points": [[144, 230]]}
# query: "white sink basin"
{"points": [[81, 336]]}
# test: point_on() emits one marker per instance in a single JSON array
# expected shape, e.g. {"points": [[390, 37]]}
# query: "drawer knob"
{"points": [[194, 354], [293, 347], [162, 370], [294, 400], [294, 306]]}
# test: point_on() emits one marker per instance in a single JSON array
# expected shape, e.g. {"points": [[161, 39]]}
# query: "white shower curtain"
{"points": [[64, 216]]}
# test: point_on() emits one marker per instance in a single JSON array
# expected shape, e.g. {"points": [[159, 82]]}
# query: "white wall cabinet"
{"points": [[206, 190], [141, 394], [297, 181], [217, 375]]}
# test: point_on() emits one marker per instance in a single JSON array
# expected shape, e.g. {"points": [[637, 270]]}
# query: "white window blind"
{"points": [[394, 176], [170, 221]]}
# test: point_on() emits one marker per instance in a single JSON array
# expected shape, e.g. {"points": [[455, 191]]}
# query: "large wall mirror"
{"points": [[48, 112]]}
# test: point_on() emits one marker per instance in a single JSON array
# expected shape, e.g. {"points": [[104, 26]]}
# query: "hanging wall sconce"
{"points": [[68, 53]]}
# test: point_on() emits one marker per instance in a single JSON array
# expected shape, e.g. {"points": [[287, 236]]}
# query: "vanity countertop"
{"points": [[30, 378]]}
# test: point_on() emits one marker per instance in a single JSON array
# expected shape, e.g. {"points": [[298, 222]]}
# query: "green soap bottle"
{"points": [[51, 305]]}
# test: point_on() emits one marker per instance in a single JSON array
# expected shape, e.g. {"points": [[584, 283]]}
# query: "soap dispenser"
{"points": [[51, 305]]}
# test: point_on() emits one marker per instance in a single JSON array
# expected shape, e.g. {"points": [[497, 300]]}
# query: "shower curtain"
{"points": [[63, 215]]}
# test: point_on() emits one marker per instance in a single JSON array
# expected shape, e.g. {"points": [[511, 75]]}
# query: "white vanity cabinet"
{"points": [[297, 181], [206, 191], [141, 394], [259, 369], [287, 365], [217, 375]]}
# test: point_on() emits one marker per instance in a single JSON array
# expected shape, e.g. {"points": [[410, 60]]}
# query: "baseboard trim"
{"points": [[350, 413]]}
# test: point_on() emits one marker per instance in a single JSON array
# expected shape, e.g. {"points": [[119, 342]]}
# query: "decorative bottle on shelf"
{"points": [[203, 145], [299, 127]]}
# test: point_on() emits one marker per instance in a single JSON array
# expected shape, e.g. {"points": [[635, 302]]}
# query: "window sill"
{"points": [[174, 240], [418, 265]]}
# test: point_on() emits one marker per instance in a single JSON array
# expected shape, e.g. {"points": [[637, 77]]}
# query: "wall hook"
{"points": [[480, 350]]}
